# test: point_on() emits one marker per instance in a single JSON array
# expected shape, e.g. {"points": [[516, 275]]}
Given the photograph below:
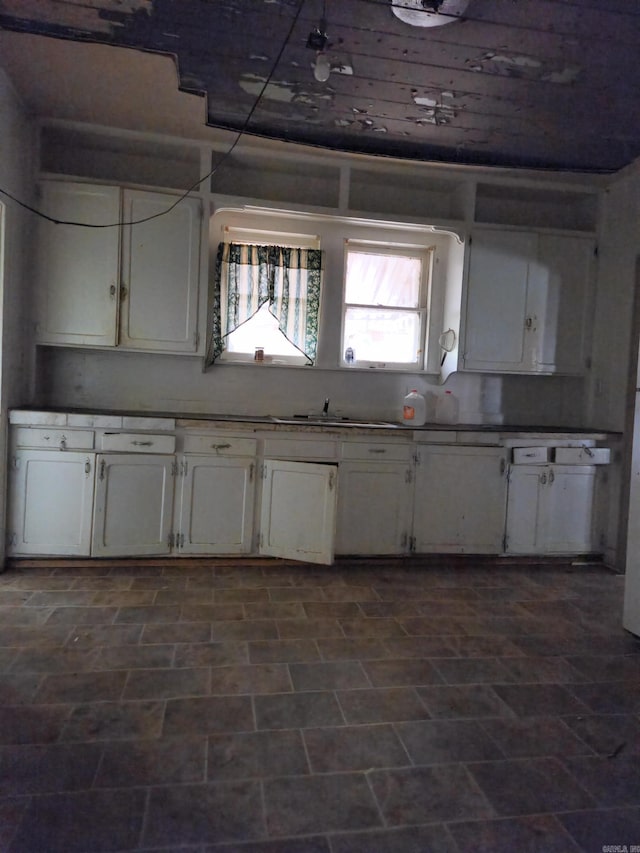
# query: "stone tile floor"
{"points": [[399, 706]]}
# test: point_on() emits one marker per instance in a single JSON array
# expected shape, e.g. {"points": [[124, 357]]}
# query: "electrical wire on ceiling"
{"points": [[194, 186]]}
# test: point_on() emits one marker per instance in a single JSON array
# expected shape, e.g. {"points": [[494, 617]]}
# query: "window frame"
{"points": [[426, 254], [268, 237]]}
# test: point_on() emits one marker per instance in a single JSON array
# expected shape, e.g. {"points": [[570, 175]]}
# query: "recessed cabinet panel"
{"points": [[528, 302], [160, 270], [51, 503], [497, 300], [374, 508], [77, 267], [133, 505], [128, 285], [460, 499], [216, 515], [298, 515], [566, 268], [550, 509]]}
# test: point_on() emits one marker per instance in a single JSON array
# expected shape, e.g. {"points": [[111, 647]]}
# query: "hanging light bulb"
{"points": [[322, 67]]}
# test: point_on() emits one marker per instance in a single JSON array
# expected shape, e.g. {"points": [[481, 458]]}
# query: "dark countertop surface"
{"points": [[329, 421]]}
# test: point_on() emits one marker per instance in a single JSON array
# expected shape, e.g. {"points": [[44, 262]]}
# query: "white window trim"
{"points": [[383, 247], [252, 223]]}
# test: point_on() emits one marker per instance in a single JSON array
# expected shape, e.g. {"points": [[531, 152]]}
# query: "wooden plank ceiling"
{"points": [[547, 84]]}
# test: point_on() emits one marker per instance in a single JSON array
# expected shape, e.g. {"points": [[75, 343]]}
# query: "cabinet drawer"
{"points": [[376, 450], [220, 445], [56, 439], [531, 455], [132, 442], [283, 448], [582, 455]]}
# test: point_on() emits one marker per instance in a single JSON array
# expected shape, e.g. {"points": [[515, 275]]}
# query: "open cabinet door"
{"points": [[298, 515]]}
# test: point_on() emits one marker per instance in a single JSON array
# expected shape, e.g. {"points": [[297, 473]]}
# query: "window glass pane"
{"points": [[377, 279], [261, 330], [383, 336]]}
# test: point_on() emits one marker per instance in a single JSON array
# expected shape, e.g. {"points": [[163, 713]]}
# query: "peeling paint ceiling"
{"points": [[551, 84]]}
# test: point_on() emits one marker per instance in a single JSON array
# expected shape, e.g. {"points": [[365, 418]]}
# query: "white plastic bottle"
{"points": [[414, 409], [447, 408]]}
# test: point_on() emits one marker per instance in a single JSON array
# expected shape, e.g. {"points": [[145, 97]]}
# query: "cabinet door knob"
{"points": [[112, 291]]}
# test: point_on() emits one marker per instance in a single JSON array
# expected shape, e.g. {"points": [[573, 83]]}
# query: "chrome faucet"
{"points": [[325, 408]]}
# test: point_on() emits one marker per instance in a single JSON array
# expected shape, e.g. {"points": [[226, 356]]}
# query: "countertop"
{"points": [[287, 423]]}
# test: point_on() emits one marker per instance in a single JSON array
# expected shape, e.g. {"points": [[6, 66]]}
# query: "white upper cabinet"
{"points": [[77, 268], [566, 270], [527, 302], [160, 271], [132, 286]]}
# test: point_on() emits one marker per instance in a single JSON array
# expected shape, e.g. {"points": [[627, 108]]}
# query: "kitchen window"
{"points": [[385, 305], [266, 299]]}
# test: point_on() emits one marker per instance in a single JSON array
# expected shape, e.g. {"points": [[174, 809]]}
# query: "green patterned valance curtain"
{"points": [[248, 276]]}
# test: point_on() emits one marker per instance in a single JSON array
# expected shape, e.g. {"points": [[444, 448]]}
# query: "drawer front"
{"points": [[55, 439], [531, 455], [134, 422], [282, 448], [583, 455], [131, 442], [376, 450], [220, 445], [20, 416]]}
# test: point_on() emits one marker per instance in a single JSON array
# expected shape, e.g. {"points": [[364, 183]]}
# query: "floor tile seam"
{"points": [[575, 848], [398, 734], [591, 751]]}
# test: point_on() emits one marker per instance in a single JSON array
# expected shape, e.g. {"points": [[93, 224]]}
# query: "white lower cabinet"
{"points": [[216, 505], [374, 508], [550, 509], [133, 510], [460, 498], [51, 503], [298, 510]]}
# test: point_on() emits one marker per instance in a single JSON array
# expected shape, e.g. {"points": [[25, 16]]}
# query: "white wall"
{"points": [[155, 383], [16, 349]]}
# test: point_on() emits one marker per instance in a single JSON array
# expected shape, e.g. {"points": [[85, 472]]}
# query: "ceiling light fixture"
{"points": [[318, 40], [428, 13], [322, 67]]}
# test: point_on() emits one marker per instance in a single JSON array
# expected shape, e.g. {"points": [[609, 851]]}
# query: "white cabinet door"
{"points": [[525, 512], [298, 512], [133, 505], [216, 508], [77, 268], [374, 508], [528, 302], [51, 502], [565, 269], [569, 501], [160, 272], [550, 509], [498, 320], [460, 499]]}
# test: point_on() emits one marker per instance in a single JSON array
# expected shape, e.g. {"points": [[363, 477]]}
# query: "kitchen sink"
{"points": [[328, 420]]}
